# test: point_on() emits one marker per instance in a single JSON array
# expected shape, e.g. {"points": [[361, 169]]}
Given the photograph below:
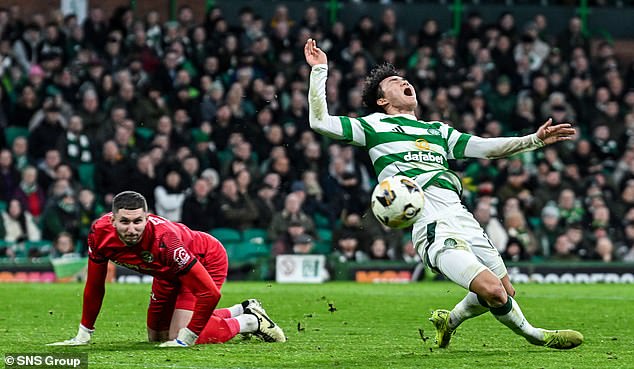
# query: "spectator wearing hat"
{"points": [[303, 244], [284, 243], [514, 251]]}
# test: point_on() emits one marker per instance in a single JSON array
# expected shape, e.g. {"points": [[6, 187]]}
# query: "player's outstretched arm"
{"points": [[94, 292], [550, 134], [318, 116], [313, 54], [502, 147]]}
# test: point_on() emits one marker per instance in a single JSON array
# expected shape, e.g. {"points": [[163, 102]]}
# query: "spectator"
{"points": [[516, 227], [30, 194], [291, 212], [604, 249], [548, 230], [46, 132], [89, 210], [20, 151], [495, 231], [143, 178], [514, 251], [378, 250], [18, 225], [303, 244], [62, 214], [570, 209], [74, 145], [564, 250], [112, 172], [266, 203], [64, 246], [169, 196], [347, 249], [199, 207], [9, 175], [237, 210]]}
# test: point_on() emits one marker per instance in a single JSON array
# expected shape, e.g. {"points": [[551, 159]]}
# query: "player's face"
{"points": [[130, 225], [398, 92]]}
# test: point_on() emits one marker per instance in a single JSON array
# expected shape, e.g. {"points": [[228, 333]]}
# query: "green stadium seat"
{"points": [[324, 234], [320, 221], [144, 132], [226, 235], [246, 251], [13, 132], [255, 235], [3, 205], [322, 247], [86, 173]]}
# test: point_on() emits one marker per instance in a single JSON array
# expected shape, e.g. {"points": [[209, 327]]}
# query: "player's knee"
{"points": [[495, 295]]}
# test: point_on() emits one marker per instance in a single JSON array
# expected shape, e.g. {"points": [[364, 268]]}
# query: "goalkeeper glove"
{"points": [[185, 338], [82, 338]]}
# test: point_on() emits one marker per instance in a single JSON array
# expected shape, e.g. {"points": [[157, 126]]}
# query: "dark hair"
{"points": [[371, 89], [128, 200]]}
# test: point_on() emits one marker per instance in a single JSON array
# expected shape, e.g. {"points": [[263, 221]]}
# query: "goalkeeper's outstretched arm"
{"points": [[94, 292]]}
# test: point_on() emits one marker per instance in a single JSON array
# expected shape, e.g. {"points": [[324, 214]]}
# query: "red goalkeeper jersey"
{"points": [[166, 249]]}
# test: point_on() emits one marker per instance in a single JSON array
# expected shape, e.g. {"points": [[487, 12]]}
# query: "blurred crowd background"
{"points": [[209, 121]]}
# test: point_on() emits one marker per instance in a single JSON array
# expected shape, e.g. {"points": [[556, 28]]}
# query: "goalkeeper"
{"points": [[447, 237], [189, 269]]}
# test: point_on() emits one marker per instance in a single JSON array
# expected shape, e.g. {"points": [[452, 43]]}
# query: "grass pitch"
{"points": [[373, 326]]}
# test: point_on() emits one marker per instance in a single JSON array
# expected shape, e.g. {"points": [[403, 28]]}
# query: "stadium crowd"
{"points": [[209, 122]]}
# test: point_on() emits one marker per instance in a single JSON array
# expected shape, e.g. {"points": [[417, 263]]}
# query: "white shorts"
{"points": [[451, 241]]}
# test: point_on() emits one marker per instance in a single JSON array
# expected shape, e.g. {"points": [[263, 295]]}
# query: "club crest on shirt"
{"points": [[433, 132], [147, 256], [450, 242], [181, 256]]}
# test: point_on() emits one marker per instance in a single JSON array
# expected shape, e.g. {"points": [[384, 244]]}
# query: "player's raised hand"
{"points": [[551, 134], [82, 338], [313, 54]]}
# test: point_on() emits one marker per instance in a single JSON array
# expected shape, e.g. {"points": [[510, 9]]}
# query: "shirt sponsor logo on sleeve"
{"points": [[181, 256]]}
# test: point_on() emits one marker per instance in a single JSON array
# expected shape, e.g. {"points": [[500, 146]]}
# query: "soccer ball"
{"points": [[397, 201]]}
